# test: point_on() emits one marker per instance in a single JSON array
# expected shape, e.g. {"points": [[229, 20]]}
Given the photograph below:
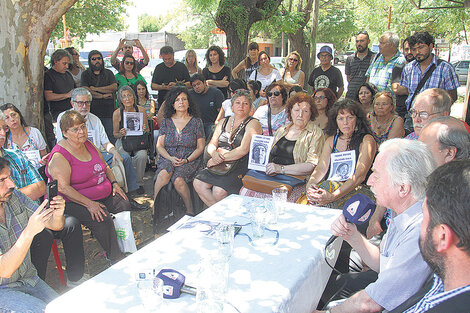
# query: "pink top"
{"points": [[88, 178]]}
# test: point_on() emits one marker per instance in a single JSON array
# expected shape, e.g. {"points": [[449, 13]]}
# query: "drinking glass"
{"points": [[151, 293], [280, 198], [225, 234]]}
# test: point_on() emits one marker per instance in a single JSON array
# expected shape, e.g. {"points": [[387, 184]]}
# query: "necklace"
{"points": [[382, 125], [231, 138]]}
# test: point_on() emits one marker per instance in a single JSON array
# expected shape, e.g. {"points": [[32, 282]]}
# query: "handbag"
{"points": [[124, 233], [259, 181], [135, 143]]}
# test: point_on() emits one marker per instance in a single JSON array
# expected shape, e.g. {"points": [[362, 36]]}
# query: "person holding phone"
{"points": [[127, 48]]}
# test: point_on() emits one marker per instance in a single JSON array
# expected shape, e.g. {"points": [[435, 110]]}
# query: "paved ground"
{"points": [[94, 259]]}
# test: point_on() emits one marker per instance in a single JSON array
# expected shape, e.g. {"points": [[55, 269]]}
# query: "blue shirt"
{"points": [[380, 73], [443, 77], [22, 170], [435, 296], [400, 256]]}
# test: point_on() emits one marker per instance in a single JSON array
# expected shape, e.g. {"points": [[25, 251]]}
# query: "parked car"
{"points": [[343, 56], [461, 69], [278, 62]]}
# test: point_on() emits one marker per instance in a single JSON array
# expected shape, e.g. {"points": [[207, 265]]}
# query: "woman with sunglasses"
{"points": [[265, 73], [273, 115], [292, 75], [324, 99], [128, 75], [75, 67], [383, 120]]}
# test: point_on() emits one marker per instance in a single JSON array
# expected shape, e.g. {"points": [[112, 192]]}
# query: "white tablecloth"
{"points": [[287, 277]]}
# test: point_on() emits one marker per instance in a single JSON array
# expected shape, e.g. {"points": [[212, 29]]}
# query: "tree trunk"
{"points": [[235, 18], [26, 27]]}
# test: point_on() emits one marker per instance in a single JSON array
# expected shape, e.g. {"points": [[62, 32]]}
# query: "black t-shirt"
{"points": [[225, 71], [103, 108], [283, 152], [400, 99], [332, 79], [209, 103], [166, 75], [58, 83]]}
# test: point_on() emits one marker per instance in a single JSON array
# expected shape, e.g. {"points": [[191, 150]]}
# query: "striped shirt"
{"points": [[17, 213], [356, 68], [443, 77], [380, 73], [435, 296]]}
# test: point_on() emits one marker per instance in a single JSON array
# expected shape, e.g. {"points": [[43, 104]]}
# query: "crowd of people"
{"points": [[389, 137]]}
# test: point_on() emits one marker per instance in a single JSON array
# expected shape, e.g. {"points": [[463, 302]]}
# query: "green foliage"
{"points": [[92, 17], [336, 22], [282, 21], [148, 23]]}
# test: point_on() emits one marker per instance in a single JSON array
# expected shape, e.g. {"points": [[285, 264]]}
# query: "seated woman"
{"points": [[324, 99], [228, 149], [365, 96], [225, 109], [23, 137], [87, 183], [383, 120], [266, 74], [254, 88], [297, 145], [127, 101], [273, 115], [180, 145], [348, 132]]}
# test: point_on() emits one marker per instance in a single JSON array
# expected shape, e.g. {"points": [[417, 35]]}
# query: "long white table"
{"points": [[287, 277]]}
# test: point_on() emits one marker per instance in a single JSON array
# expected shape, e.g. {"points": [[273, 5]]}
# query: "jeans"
{"points": [[26, 298], [108, 127], [131, 175], [139, 160]]}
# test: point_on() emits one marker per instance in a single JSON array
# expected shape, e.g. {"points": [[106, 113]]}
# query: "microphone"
{"points": [[357, 210], [173, 284]]}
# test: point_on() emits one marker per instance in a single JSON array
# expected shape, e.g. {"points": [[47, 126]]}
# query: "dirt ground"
{"points": [[95, 261]]}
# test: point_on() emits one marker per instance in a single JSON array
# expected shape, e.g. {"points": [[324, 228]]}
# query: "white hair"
{"points": [[408, 162]]}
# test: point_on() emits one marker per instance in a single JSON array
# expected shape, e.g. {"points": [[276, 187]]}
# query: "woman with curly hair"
{"points": [[217, 74], [348, 130], [180, 145], [292, 75], [324, 99]]}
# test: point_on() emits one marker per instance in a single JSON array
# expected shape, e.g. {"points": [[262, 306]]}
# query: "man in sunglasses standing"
{"points": [[102, 85], [326, 75]]}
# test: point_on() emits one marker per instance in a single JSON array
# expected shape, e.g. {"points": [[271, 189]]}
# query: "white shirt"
{"points": [[266, 80]]}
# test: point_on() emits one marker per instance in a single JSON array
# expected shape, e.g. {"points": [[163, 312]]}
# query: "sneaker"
{"points": [[73, 284]]}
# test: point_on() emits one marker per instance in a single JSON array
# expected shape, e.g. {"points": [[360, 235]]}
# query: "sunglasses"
{"points": [[96, 58], [270, 94], [129, 63]]}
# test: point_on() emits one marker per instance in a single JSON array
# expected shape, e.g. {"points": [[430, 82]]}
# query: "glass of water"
{"points": [[280, 198], [225, 234], [258, 219]]}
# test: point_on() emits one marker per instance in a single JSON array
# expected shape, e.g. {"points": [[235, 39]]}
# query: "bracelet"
{"points": [[114, 182], [187, 160], [283, 169]]}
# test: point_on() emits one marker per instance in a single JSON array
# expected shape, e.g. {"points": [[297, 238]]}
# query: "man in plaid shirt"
{"points": [[21, 290], [380, 70]]}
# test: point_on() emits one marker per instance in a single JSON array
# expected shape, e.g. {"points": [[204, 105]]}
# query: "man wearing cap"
{"points": [[326, 75]]}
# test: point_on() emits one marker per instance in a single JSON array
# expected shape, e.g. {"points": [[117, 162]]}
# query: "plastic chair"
{"points": [[55, 252]]}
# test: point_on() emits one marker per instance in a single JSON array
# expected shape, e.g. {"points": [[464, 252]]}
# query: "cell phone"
{"points": [[51, 191], [130, 42]]}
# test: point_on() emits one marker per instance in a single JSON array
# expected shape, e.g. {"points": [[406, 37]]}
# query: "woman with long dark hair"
{"points": [[249, 64], [128, 75], [217, 74]]}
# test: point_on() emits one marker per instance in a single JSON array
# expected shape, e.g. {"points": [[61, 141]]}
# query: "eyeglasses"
{"points": [[423, 114], [96, 58], [319, 98], [78, 128], [293, 60], [82, 103], [270, 94], [129, 63]]}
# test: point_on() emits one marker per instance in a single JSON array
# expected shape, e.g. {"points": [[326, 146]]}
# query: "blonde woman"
{"points": [[292, 75], [190, 60], [383, 120]]}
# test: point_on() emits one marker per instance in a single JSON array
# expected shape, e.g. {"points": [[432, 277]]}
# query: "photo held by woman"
{"points": [[296, 148]]}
